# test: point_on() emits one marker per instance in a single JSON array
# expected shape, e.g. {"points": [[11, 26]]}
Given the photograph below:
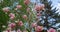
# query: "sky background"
{"points": [[54, 2]]}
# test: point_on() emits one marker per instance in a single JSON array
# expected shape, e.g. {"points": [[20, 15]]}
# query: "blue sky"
{"points": [[53, 1], [56, 4]]}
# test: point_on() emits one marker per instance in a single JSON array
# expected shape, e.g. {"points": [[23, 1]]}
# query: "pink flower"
{"points": [[6, 9], [51, 30], [39, 28], [26, 2], [12, 16], [12, 25], [20, 23], [39, 7], [24, 16], [18, 6], [34, 24]]}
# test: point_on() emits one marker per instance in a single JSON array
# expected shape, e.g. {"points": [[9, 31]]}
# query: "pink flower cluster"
{"points": [[6, 9], [39, 7], [12, 25], [26, 2], [51, 30], [12, 16], [20, 23], [18, 6]]}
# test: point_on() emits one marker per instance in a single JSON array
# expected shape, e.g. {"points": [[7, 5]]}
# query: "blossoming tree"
{"points": [[25, 16]]}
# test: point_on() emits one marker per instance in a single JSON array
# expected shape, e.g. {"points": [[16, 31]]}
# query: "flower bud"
{"points": [[26, 2], [12, 16], [20, 23], [18, 6], [25, 16], [12, 25], [39, 28]]}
